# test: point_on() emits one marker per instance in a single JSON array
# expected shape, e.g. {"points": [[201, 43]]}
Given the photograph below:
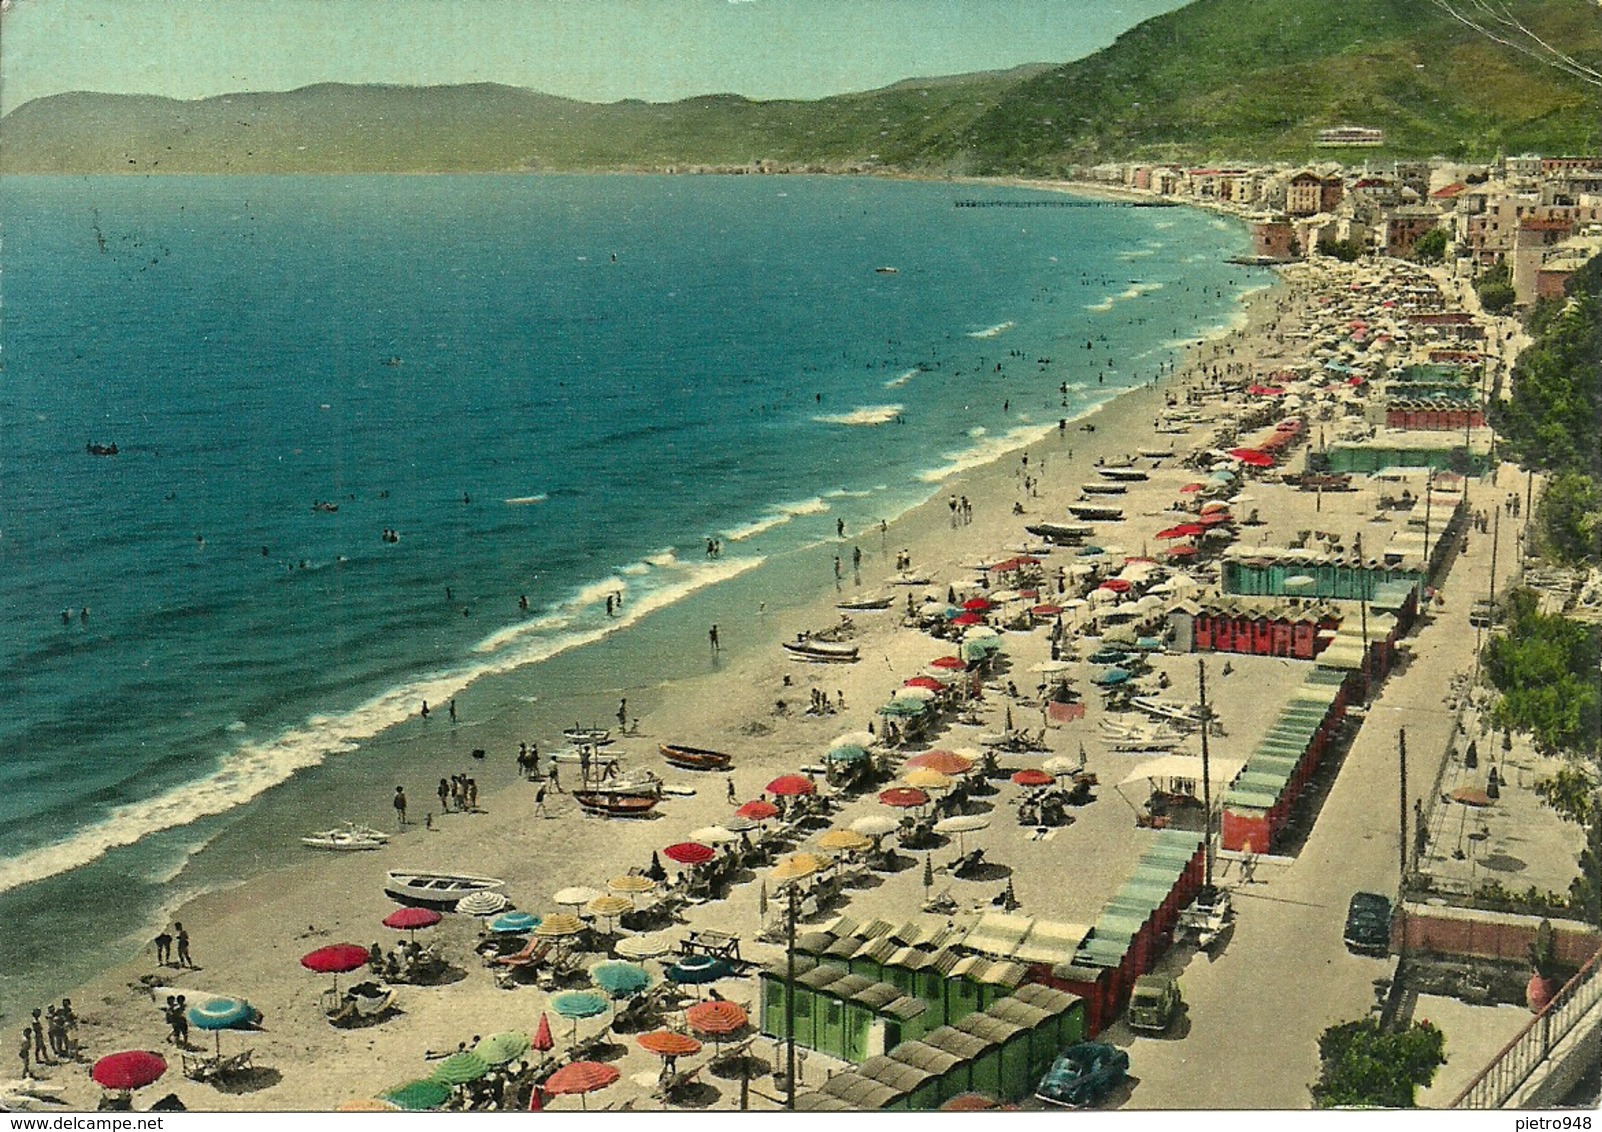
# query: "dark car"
{"points": [[1083, 1075], [1368, 923]]}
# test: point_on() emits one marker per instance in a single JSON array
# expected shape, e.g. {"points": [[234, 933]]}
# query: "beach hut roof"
{"points": [[878, 950], [897, 1074], [963, 1046], [814, 943], [779, 968], [825, 976], [1049, 999], [989, 1028], [1017, 1012], [861, 1092], [924, 1056], [815, 1101]]}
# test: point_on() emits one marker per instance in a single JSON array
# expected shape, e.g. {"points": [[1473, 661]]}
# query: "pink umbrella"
{"points": [[1183, 530], [542, 1036], [1190, 488], [132, 1069], [924, 682], [1116, 585], [1252, 458], [1046, 610]]}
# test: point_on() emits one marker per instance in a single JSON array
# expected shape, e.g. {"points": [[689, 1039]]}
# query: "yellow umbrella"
{"points": [[844, 841], [798, 865], [925, 779], [560, 925], [632, 883], [609, 907]]}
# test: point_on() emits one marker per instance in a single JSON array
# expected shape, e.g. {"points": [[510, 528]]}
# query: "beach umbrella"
{"points": [[1471, 796], [1050, 667], [698, 970], [560, 926], [855, 739], [514, 923], [758, 810], [620, 979], [481, 903], [962, 825], [1116, 585], [1029, 776], [977, 604], [668, 1043], [981, 648], [417, 1096], [609, 908], [1118, 635], [542, 1040], [536, 1099], [1061, 764], [875, 825], [646, 946], [981, 633], [1046, 609], [713, 835], [904, 798], [504, 1047], [797, 866], [583, 1078], [716, 1018], [1215, 519], [575, 897], [632, 883], [846, 756], [844, 841], [737, 824], [577, 1005], [336, 959], [903, 706], [132, 1069], [925, 779], [365, 1104], [1183, 550], [791, 785], [943, 762], [915, 692], [410, 919], [219, 1014], [689, 853], [460, 1068], [949, 663], [1191, 488], [967, 619], [928, 682]]}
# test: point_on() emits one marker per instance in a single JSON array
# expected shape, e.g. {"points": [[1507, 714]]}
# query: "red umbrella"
{"points": [[952, 663], [1046, 610], [1183, 530], [946, 762], [1116, 585], [410, 919], [1032, 777], [1252, 457], [581, 1077], [791, 785], [967, 619], [336, 959], [536, 1100], [131, 1069], [1215, 518], [716, 1018], [758, 810], [924, 682], [904, 797], [1266, 390], [1189, 488], [1183, 550], [977, 604], [689, 853], [970, 1102], [542, 1036], [669, 1043]]}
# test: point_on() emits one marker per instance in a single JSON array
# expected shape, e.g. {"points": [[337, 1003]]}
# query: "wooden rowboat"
{"points": [[694, 758], [616, 805], [827, 652]]}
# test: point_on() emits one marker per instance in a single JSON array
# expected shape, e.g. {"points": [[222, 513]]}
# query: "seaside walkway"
{"points": [[1260, 1003]]}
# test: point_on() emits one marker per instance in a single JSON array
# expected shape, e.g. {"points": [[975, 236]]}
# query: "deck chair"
{"points": [[531, 955], [670, 1083]]}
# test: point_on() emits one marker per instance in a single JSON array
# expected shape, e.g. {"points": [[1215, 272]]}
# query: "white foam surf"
{"points": [[901, 379], [995, 331], [862, 415], [527, 500], [778, 517], [987, 450]]}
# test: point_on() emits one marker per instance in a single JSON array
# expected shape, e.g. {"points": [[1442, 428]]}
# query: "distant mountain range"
{"points": [[1241, 79]]}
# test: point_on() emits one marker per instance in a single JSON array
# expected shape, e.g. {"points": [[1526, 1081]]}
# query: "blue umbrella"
{"points": [[514, 922], [1108, 677], [219, 1014], [620, 979], [847, 753], [576, 1005], [696, 970]]}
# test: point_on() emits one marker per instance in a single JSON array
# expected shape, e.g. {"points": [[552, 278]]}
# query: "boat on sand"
{"points": [[694, 758], [437, 890], [616, 804], [822, 652], [346, 838]]}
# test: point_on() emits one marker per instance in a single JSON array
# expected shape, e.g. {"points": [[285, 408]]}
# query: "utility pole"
{"points": [[1429, 492], [1207, 786], [1368, 667], [1401, 753], [1496, 532], [789, 1001]]}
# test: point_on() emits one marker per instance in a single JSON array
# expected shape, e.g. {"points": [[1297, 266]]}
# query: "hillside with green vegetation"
{"points": [[1217, 79]]}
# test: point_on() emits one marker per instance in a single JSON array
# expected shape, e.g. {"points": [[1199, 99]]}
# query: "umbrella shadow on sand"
{"points": [[987, 872], [606, 1051], [697, 1094], [251, 1080]]}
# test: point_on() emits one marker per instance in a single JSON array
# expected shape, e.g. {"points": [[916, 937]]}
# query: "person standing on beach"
{"points": [[163, 948], [424, 712], [41, 1056], [712, 636], [556, 781], [444, 793], [23, 1051], [539, 802], [183, 945], [453, 709], [623, 712], [399, 802], [733, 797]]}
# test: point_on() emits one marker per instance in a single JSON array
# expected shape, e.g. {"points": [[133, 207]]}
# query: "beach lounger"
{"points": [[670, 1083], [530, 956], [208, 1069]]}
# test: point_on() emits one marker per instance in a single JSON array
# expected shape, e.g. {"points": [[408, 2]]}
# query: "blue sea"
{"points": [[551, 388]]}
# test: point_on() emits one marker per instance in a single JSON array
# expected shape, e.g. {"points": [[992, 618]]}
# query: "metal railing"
{"points": [[1520, 1058]]}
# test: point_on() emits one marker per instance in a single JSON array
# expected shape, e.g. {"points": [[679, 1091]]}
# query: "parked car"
{"points": [[1083, 1074], [1154, 1004], [1368, 923]]}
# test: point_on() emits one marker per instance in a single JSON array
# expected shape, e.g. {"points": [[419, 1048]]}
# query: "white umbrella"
{"points": [[915, 693], [645, 946], [875, 825], [1049, 667], [962, 823], [855, 739], [1060, 764], [713, 835], [574, 897], [737, 824], [979, 633], [1005, 595]]}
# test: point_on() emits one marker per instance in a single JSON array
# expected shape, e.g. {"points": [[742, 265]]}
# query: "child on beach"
{"points": [[183, 946], [399, 802]]}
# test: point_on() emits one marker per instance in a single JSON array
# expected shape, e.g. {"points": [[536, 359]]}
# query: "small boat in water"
{"points": [[824, 652], [694, 758], [593, 736], [347, 838], [101, 449], [1124, 475], [439, 890], [1096, 513], [887, 270], [616, 804], [864, 604]]}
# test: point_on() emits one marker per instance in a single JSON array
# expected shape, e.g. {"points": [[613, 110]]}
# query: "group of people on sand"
{"points": [[164, 947], [458, 793], [50, 1037]]}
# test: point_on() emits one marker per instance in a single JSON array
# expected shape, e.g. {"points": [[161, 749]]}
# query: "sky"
{"points": [[597, 50]]}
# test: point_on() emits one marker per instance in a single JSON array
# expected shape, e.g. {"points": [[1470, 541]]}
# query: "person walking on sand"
{"points": [[399, 802], [556, 781], [183, 945], [539, 802], [41, 1055], [163, 948], [712, 636], [733, 797], [453, 709], [623, 712], [424, 712], [444, 793], [22, 1051]]}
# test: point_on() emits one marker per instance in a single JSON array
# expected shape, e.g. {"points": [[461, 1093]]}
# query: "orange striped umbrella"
{"points": [[716, 1018], [668, 1043], [581, 1077]]}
